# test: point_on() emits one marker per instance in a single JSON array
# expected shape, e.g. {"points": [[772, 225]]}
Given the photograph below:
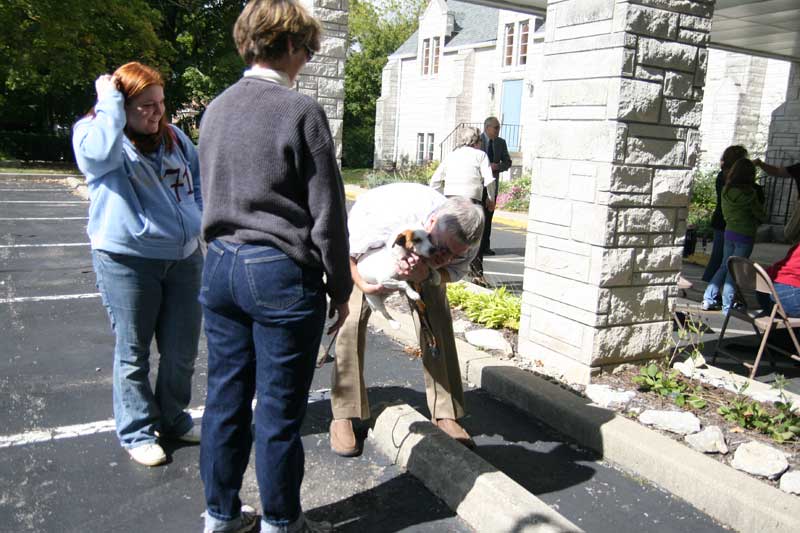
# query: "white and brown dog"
{"points": [[380, 267]]}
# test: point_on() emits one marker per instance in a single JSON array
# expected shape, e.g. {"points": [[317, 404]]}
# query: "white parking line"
{"points": [[51, 202], [50, 245], [21, 299], [43, 218], [80, 430]]}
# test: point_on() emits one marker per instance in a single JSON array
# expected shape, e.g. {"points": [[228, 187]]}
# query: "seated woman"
{"points": [[785, 273]]}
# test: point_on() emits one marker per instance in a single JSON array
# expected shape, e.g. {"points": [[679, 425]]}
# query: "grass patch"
{"points": [[355, 176]]}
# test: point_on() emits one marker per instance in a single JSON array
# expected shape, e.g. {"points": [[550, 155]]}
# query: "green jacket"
{"points": [[743, 211]]}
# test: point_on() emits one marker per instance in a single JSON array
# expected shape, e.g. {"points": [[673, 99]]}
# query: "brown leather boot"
{"points": [[343, 439], [455, 431]]}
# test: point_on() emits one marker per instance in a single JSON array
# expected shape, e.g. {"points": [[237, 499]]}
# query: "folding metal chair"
{"points": [[750, 276]]}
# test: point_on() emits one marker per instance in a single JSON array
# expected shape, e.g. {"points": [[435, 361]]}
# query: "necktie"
{"points": [[490, 151]]}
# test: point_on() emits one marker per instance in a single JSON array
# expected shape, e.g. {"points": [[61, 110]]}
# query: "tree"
{"points": [[54, 49], [377, 29]]}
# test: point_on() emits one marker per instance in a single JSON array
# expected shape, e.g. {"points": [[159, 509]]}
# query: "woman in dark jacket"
{"points": [[729, 157]]}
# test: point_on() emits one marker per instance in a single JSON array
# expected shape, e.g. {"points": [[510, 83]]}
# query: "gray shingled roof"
{"points": [[473, 24]]}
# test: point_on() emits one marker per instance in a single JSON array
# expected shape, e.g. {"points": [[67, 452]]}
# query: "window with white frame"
{"points": [[429, 154], [431, 49], [420, 147], [435, 52], [508, 49], [522, 53], [426, 56]]}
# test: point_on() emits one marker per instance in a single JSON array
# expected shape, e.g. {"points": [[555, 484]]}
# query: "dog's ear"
{"points": [[405, 239]]}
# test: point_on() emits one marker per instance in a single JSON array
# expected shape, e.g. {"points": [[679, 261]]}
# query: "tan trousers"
{"points": [[442, 375]]}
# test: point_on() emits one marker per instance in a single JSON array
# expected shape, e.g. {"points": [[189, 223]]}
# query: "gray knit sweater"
{"points": [[269, 176]]}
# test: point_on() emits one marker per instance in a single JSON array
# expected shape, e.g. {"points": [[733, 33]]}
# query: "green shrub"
{"points": [[410, 174], [703, 200], [35, 146], [495, 310]]}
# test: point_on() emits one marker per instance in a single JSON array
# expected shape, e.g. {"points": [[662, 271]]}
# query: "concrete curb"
{"points": [[506, 218], [727, 495], [484, 497]]}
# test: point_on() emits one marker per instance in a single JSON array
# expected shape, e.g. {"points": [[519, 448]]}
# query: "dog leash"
{"points": [[425, 325], [325, 355]]}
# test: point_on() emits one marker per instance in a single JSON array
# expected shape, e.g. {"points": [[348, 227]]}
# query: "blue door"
{"points": [[510, 112]]}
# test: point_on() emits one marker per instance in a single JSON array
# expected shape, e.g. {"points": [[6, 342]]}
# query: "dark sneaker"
{"points": [[250, 522], [490, 252]]}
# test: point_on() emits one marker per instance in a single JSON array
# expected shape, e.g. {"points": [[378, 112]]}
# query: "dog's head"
{"points": [[417, 241]]}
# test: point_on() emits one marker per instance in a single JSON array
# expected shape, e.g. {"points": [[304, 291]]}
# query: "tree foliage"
{"points": [[54, 49], [377, 29]]}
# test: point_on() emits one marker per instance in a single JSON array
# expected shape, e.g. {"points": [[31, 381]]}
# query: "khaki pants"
{"points": [[442, 374]]}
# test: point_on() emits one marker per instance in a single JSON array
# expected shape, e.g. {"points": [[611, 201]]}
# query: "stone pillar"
{"points": [[784, 132], [323, 77], [386, 115], [619, 111], [783, 149]]}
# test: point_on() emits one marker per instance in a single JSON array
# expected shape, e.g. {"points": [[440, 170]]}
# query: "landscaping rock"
{"points": [[605, 396], [674, 421], [461, 325], [619, 369], [790, 482], [689, 367], [489, 339], [710, 440], [760, 460]]}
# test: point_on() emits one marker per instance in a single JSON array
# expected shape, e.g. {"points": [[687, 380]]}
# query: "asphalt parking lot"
{"points": [[61, 468]]}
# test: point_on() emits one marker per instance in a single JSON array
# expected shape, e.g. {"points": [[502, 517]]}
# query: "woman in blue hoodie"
{"points": [[144, 221]]}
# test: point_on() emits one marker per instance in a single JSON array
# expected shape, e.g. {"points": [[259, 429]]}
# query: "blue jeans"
{"points": [[715, 260], [146, 297], [789, 296], [722, 279], [264, 316]]}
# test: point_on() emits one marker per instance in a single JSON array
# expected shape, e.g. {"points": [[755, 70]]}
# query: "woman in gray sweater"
{"points": [[275, 222]]}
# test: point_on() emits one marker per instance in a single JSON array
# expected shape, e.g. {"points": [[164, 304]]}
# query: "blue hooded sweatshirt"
{"points": [[145, 205]]}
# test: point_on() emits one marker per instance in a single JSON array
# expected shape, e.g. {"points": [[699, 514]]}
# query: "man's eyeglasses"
{"points": [[309, 53]]}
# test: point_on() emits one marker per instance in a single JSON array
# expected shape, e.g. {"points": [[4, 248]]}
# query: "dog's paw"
{"points": [[411, 293]]}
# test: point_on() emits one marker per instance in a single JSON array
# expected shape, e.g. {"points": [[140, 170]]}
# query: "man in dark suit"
{"points": [[500, 161]]}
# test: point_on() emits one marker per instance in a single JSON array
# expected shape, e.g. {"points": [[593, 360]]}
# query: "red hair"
{"points": [[133, 78]]}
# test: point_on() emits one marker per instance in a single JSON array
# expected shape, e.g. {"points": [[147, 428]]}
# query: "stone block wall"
{"points": [[617, 138], [784, 133], [386, 115], [323, 77]]}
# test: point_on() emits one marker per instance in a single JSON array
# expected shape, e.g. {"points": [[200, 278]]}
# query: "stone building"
{"points": [[615, 110], [323, 77], [469, 61]]}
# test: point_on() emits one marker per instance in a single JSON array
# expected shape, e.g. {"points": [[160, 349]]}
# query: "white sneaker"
{"points": [[192, 436], [148, 454]]}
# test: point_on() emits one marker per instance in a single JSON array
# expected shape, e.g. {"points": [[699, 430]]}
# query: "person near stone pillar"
{"points": [[456, 226], [499, 161], [729, 157], [743, 210]]}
